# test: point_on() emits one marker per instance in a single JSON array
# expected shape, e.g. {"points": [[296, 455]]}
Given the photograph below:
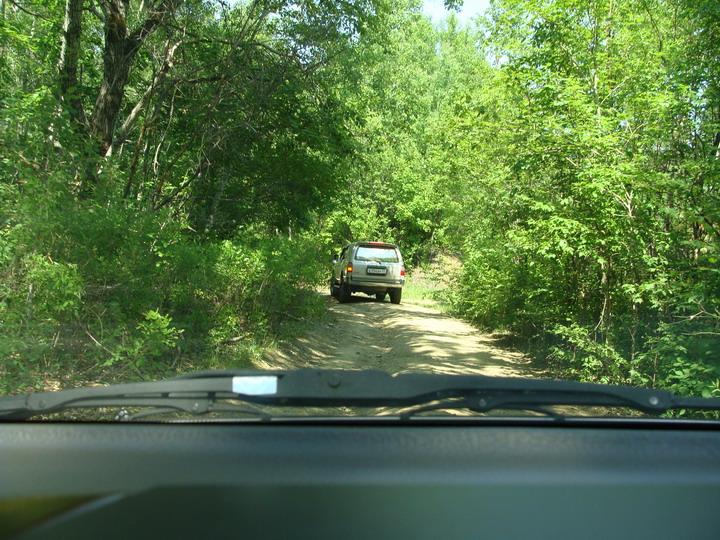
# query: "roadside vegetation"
{"points": [[175, 175], [430, 281]]}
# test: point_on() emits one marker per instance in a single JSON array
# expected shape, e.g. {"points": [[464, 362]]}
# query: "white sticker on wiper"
{"points": [[263, 385]]}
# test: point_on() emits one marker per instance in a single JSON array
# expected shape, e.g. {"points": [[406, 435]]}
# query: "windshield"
{"points": [[178, 180], [377, 254]]}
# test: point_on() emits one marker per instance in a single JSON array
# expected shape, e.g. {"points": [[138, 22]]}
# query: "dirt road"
{"points": [[395, 338]]}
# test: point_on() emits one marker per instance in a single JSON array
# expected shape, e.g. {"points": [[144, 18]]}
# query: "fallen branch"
{"points": [[96, 342]]}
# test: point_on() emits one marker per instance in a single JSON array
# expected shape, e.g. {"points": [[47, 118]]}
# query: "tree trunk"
{"points": [[2, 22], [121, 46], [69, 58], [116, 69]]}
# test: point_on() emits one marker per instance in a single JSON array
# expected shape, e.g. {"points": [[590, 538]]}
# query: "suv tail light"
{"points": [[349, 268], [402, 270]]}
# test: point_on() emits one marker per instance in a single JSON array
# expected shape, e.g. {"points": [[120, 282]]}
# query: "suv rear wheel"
{"points": [[344, 293], [395, 295]]}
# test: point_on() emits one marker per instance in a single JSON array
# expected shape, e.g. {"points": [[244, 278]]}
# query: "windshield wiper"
{"points": [[476, 404], [195, 396], [214, 391], [198, 407]]}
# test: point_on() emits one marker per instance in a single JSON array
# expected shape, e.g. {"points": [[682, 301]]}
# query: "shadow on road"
{"points": [[365, 333]]}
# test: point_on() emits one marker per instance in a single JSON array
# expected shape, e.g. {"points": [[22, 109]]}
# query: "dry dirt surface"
{"points": [[367, 334]]}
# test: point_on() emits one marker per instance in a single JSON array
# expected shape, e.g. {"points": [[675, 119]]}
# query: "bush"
{"points": [[54, 289], [584, 358], [112, 292], [157, 334]]}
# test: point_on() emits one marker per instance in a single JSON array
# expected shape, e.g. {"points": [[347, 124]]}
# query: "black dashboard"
{"points": [[362, 480]]}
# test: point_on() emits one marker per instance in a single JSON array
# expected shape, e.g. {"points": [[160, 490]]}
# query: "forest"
{"points": [[176, 174]]}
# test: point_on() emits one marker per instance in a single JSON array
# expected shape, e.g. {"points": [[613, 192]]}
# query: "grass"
{"points": [[427, 284], [420, 292]]}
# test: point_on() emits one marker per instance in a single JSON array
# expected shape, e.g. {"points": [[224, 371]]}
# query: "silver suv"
{"points": [[368, 267]]}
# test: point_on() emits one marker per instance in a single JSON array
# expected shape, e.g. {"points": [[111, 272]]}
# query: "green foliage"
{"points": [[184, 245], [565, 152], [139, 296], [157, 334], [54, 289], [583, 357], [589, 222]]}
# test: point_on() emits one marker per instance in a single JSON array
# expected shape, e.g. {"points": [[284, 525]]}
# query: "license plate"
{"points": [[380, 271]]}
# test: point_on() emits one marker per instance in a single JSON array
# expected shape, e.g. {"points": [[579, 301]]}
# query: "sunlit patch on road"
{"points": [[365, 333]]}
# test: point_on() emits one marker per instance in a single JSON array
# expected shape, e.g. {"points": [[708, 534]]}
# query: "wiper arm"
{"points": [[373, 388], [477, 405], [194, 396], [199, 393], [207, 407]]}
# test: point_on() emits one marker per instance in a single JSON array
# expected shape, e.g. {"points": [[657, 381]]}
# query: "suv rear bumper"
{"points": [[362, 284]]}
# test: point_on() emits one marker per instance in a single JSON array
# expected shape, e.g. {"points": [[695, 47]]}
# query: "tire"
{"points": [[344, 293], [380, 296], [334, 289], [395, 295]]}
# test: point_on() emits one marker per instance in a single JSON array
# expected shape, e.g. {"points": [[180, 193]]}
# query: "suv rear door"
{"points": [[340, 263], [379, 261]]}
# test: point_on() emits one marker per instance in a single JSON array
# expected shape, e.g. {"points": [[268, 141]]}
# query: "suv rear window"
{"points": [[378, 254]]}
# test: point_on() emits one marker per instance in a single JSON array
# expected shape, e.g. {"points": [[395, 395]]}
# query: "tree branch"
{"points": [[148, 26], [127, 125], [28, 12]]}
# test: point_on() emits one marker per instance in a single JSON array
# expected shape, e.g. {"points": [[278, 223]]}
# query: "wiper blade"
{"points": [[194, 396], [200, 393], [476, 405], [205, 406], [373, 388]]}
